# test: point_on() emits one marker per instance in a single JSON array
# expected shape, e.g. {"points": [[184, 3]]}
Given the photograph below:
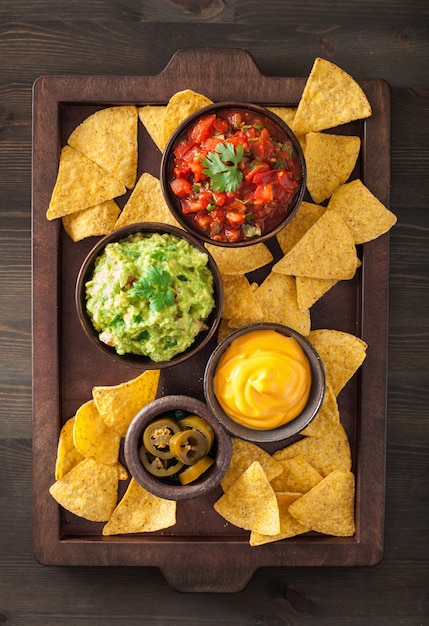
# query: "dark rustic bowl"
{"points": [[282, 432], [135, 360], [281, 130], [133, 441]]}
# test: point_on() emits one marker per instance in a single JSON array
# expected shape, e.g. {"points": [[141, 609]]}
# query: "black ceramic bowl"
{"points": [[85, 273], [293, 427], [277, 128], [221, 449]]}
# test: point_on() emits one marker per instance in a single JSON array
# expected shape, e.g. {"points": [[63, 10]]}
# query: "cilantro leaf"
{"points": [[221, 166], [155, 287]]}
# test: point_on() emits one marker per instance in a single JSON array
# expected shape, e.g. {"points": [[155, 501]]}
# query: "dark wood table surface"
{"points": [[386, 39]]}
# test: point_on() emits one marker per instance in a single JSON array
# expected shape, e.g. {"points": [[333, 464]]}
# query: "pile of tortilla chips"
{"points": [[88, 470]]}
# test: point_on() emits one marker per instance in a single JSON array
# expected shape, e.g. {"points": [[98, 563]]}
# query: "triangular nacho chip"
{"points": [[92, 222], [326, 419], [67, 454], [119, 404], [342, 354], [251, 503], [297, 476], [239, 261], [146, 204], [93, 438], [152, 117], [244, 453], [330, 160], [329, 507], [310, 290], [307, 215], [109, 137], [366, 217], [89, 490], [140, 512], [327, 250], [289, 526], [286, 114], [179, 107], [80, 184], [240, 302], [331, 97]]}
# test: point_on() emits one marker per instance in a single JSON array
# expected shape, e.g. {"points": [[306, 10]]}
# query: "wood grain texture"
{"points": [[387, 39]]}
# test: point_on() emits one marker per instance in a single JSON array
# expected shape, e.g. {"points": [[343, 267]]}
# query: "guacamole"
{"points": [[150, 295]]}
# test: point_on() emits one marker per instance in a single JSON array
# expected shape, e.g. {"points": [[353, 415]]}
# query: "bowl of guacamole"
{"points": [[149, 295]]}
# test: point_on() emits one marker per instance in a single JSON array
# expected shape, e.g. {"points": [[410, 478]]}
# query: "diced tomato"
{"points": [[220, 126], [232, 234], [203, 128], [286, 181], [181, 149], [181, 187], [203, 220], [266, 176], [235, 218], [219, 197], [261, 167], [264, 194]]}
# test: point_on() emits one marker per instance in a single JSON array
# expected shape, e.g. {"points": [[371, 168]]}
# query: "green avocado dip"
{"points": [[150, 295]]}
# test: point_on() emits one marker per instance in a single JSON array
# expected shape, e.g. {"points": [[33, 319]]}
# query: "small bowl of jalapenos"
{"points": [[176, 449]]}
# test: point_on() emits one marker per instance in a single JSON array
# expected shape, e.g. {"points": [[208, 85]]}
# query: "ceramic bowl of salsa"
{"points": [[149, 295], [176, 449], [233, 174], [265, 382]]}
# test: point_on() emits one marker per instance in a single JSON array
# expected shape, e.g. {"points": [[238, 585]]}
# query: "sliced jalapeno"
{"points": [[157, 435], [157, 466], [198, 423], [188, 446], [193, 472]]}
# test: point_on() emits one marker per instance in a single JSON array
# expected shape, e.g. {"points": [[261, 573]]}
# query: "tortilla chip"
{"points": [[93, 222], [251, 503], [179, 107], [330, 160], [329, 507], [286, 114], [152, 117], [307, 215], [244, 453], [326, 419], [297, 476], [239, 261], [223, 330], [109, 138], [331, 97], [342, 354], [93, 438], [310, 290], [80, 184], [325, 454], [140, 512], [67, 454], [327, 250], [278, 299], [366, 217], [240, 302], [89, 490], [119, 404], [146, 204], [289, 526]]}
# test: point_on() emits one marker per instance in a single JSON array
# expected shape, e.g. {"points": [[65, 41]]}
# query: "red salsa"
{"points": [[236, 178]]}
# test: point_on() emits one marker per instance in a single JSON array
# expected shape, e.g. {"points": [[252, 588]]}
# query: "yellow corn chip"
{"points": [[310, 290], [366, 217], [307, 215], [239, 261], [89, 490], [297, 476], [146, 204], [93, 222], [289, 526], [325, 454], [331, 97], [326, 419], [119, 404], [179, 107], [327, 250], [278, 299], [140, 512], [93, 438], [67, 454], [244, 453], [342, 354], [152, 117], [240, 302], [251, 503], [80, 184], [223, 330], [329, 507], [109, 138], [330, 160], [286, 114]]}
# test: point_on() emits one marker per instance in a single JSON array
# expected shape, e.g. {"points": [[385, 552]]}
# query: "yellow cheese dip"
{"points": [[263, 380]]}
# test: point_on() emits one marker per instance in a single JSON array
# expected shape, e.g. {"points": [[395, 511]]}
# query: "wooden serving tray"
{"points": [[201, 552]]}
